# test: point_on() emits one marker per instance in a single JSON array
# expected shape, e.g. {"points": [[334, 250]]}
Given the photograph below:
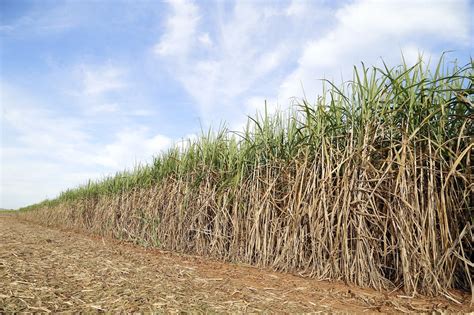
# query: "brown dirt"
{"points": [[43, 269]]}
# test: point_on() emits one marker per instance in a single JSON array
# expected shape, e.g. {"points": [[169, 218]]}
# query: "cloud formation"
{"points": [[254, 57], [46, 152], [180, 31], [368, 30]]}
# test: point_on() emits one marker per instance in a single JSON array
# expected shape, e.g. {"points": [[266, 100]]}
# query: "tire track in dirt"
{"points": [[44, 269]]}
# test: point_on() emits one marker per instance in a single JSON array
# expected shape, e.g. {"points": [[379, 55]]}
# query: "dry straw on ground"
{"points": [[49, 270], [372, 185]]}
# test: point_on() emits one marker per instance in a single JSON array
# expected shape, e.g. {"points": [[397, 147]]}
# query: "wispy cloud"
{"points": [[180, 32], [246, 61], [103, 89], [42, 145], [238, 57], [101, 79], [131, 147], [38, 21], [367, 30]]}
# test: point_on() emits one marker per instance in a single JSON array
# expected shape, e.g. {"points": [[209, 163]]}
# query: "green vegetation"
{"points": [[371, 185], [2, 210]]}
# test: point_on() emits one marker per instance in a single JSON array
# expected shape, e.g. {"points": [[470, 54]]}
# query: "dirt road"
{"points": [[43, 269]]}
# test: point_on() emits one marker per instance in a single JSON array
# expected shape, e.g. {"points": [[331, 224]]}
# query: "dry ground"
{"points": [[43, 269]]}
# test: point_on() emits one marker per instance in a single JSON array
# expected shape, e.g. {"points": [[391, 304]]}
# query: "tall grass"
{"points": [[372, 185]]}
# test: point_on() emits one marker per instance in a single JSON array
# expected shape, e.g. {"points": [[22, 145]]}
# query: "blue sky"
{"points": [[92, 87]]}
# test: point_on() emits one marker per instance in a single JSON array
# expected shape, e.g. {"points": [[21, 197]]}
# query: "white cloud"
{"points": [[57, 19], [270, 60], [106, 108], [264, 50], [46, 152], [103, 90], [205, 40], [141, 112], [299, 8], [26, 181], [372, 18], [99, 80], [38, 129], [243, 53], [132, 146], [180, 30], [368, 29]]}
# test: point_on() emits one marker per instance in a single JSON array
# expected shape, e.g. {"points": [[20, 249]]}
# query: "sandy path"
{"points": [[43, 269]]}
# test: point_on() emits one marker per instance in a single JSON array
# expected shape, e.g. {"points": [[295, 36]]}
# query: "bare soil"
{"points": [[44, 269]]}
